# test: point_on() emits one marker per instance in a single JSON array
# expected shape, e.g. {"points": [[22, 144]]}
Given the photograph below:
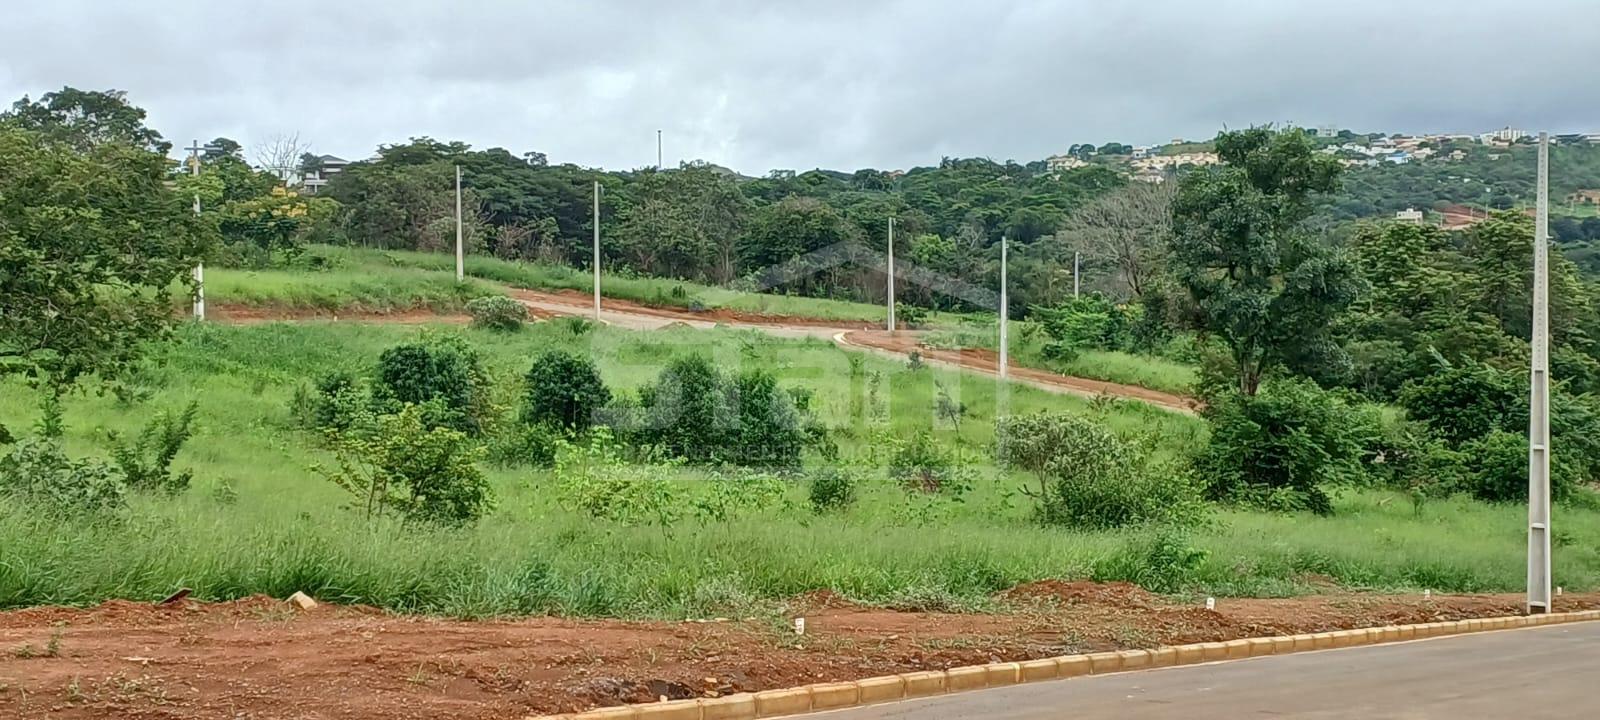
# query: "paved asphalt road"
{"points": [[1547, 672]]}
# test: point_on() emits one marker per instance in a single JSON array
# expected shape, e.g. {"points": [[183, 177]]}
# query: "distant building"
{"points": [[1154, 177], [1585, 197], [329, 165], [1398, 157], [1140, 152], [1062, 163], [1503, 136], [1411, 215], [1327, 131], [1458, 154]]}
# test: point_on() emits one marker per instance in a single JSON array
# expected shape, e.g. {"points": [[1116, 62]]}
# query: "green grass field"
{"points": [[282, 528]]}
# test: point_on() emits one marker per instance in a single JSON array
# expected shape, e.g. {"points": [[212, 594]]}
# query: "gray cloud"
{"points": [[838, 84]]}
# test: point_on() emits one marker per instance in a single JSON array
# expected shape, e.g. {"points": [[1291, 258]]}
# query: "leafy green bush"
{"points": [[564, 390], [694, 411], [335, 402], [1282, 447], [421, 472], [910, 315], [522, 444], [1089, 477], [146, 463], [1090, 321], [595, 480], [497, 312], [36, 471], [1498, 469], [832, 488], [1163, 562], [1466, 403], [442, 372], [921, 463]]}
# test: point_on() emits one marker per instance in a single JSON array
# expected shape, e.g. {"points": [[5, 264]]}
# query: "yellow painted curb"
{"points": [[1070, 666], [772, 703], [966, 678], [675, 710], [835, 695], [923, 684], [878, 689], [826, 696], [999, 674], [729, 707]]}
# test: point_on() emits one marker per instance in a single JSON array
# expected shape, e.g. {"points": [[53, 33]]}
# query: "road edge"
{"points": [[904, 686]]}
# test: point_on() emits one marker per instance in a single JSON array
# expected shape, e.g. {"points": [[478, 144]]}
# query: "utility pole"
{"points": [[597, 251], [1005, 315], [658, 150], [199, 267], [461, 267], [891, 274], [1539, 400], [1075, 255]]}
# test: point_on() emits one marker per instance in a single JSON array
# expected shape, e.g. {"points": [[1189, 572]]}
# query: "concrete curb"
{"points": [[835, 695]]}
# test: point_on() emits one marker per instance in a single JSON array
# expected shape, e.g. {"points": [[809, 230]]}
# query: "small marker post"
{"points": [[799, 626], [1211, 603]]}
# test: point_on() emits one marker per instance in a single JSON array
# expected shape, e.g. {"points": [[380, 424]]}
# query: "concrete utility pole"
{"points": [[1075, 255], [461, 265], [891, 274], [597, 251], [1539, 400], [1005, 315], [199, 267], [658, 150]]}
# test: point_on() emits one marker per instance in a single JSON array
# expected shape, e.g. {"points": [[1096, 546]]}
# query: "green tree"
{"points": [[86, 119], [92, 246], [1257, 279]]}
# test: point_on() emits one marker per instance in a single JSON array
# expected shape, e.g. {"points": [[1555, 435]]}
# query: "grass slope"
{"points": [[284, 529]]}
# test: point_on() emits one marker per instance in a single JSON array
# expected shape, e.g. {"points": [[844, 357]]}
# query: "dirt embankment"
{"points": [[257, 658]]}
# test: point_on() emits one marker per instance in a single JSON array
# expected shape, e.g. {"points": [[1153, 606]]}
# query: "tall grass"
{"points": [[1027, 349], [368, 287], [287, 530]]}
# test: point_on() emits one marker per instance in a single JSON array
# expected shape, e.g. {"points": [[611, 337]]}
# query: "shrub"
{"points": [[577, 326], [596, 481], [146, 463], [37, 472], [1058, 351], [521, 444], [564, 390], [443, 373], [695, 412], [1466, 403], [914, 361], [1089, 477], [424, 473], [497, 312], [832, 488], [921, 463], [335, 402], [1282, 447], [1090, 321], [910, 315], [1498, 469]]}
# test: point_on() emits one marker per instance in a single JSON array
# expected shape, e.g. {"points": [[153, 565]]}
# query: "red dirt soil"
{"points": [[257, 658], [582, 303], [988, 361]]}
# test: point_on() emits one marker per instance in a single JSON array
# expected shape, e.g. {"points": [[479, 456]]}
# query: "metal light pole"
{"points": [[597, 251], [891, 274], [1539, 400], [461, 267], [1005, 314]]}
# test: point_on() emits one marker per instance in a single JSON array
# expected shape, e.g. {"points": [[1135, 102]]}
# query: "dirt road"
{"points": [[258, 659]]}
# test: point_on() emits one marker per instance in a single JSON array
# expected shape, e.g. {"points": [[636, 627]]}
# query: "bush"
{"points": [[1088, 477], [423, 473], [1467, 403], [921, 463], [334, 403], [37, 472], [597, 482], [832, 489], [497, 312], [443, 373], [1090, 321], [1282, 447], [910, 315], [695, 412], [146, 463], [1498, 469], [521, 444], [565, 391]]}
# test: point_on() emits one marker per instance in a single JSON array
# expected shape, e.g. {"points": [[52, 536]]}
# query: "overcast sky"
{"points": [[800, 84]]}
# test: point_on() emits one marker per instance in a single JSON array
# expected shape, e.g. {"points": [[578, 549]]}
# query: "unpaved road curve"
{"points": [[861, 336]]}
